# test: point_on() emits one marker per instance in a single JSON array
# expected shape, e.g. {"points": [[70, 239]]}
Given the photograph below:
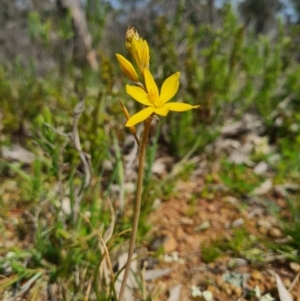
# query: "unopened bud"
{"points": [[138, 48]]}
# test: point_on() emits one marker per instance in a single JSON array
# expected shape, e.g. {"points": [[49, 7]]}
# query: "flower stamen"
{"points": [[154, 99]]}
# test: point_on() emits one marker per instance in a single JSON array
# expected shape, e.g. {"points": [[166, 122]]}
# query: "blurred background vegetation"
{"points": [[235, 57]]}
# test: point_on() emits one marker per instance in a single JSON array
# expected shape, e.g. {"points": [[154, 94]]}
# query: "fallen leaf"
{"points": [[153, 274], [284, 295]]}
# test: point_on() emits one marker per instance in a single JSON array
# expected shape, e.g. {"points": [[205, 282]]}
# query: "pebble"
{"points": [[238, 222], [263, 230], [187, 221], [203, 226], [264, 223], [257, 275], [295, 266], [261, 168], [211, 288], [228, 289], [237, 262], [275, 232], [230, 199], [237, 291]]}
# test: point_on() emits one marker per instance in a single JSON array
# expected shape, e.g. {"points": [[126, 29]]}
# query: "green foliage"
{"points": [[38, 29], [239, 242], [239, 178], [291, 227], [211, 252]]}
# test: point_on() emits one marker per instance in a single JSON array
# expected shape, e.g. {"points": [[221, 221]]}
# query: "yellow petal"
{"points": [[127, 68], [150, 83], [146, 54], [163, 111], [140, 116], [169, 88], [180, 106], [138, 94]]}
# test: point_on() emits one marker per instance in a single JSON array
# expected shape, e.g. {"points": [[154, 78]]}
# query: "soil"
{"points": [[188, 226]]}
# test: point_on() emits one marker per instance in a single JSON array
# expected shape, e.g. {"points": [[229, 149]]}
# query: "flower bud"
{"points": [[127, 68], [138, 48]]}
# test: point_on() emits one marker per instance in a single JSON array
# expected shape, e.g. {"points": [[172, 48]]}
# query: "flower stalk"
{"points": [[137, 207], [154, 101]]}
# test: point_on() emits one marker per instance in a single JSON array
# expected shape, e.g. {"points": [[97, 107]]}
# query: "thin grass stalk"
{"points": [[137, 206]]}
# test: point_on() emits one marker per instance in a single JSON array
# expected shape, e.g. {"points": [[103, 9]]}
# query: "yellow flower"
{"points": [[138, 48], [156, 102], [127, 68]]}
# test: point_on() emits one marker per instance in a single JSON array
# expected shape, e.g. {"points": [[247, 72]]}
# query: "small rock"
{"points": [[196, 292], [264, 188], [187, 221], [238, 222], [287, 282], [264, 223], [228, 289], [211, 288], [263, 230], [256, 212], [261, 168], [203, 226], [66, 206], [276, 233], [237, 262], [234, 278], [237, 291], [207, 296], [230, 199], [257, 275], [295, 266]]}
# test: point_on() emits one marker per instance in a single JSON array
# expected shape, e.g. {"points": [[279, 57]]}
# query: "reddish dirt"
{"points": [[181, 219], [180, 223]]}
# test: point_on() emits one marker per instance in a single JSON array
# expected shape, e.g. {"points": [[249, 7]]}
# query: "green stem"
{"points": [[137, 206]]}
